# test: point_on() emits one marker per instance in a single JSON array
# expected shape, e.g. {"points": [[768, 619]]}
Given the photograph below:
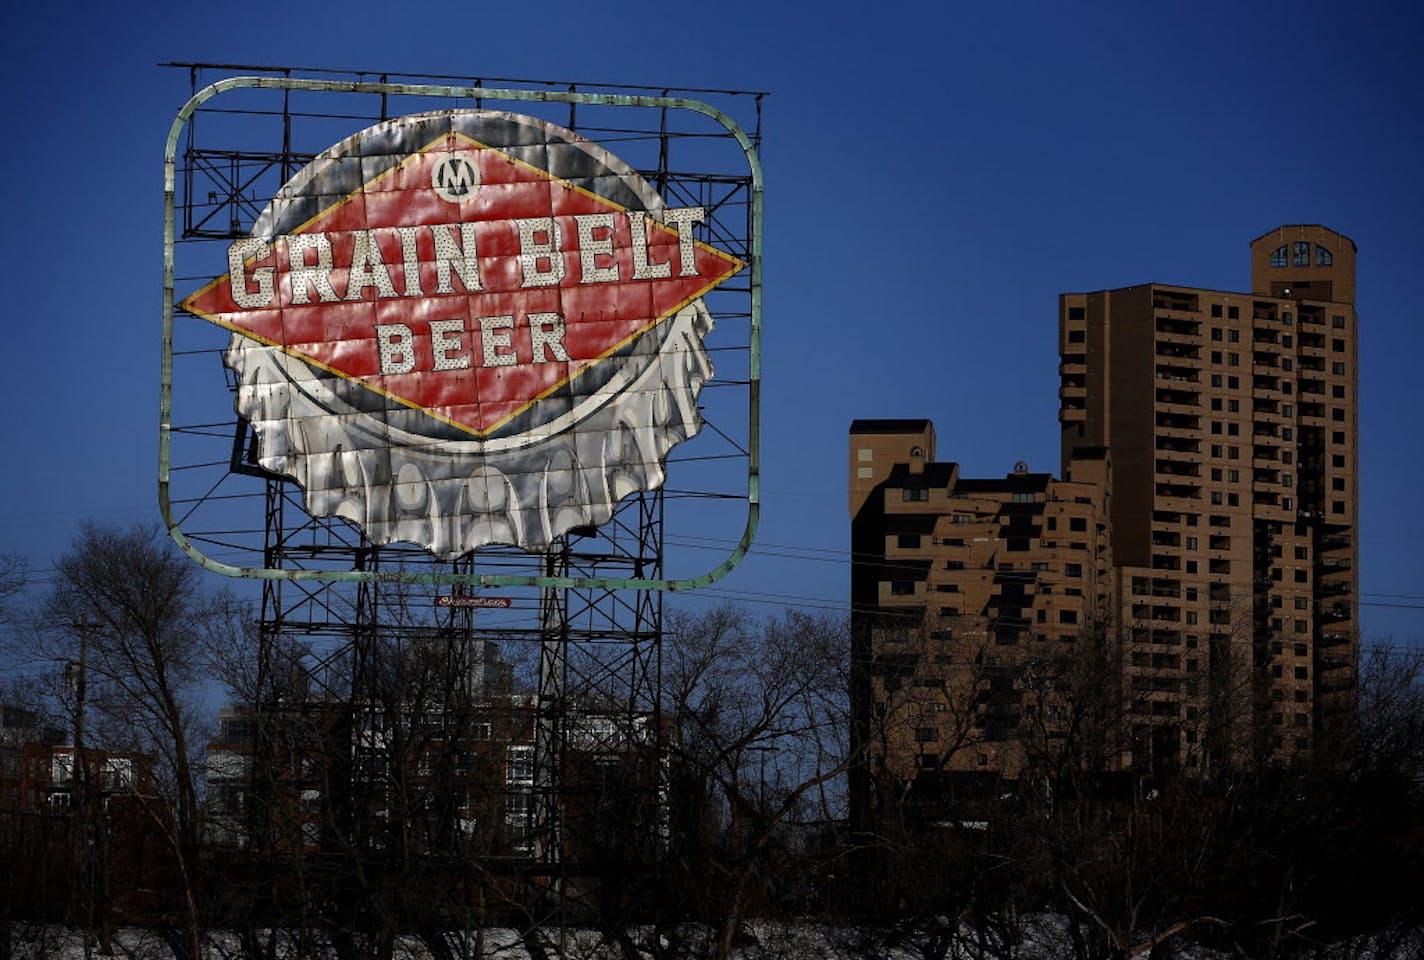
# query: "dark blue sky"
{"points": [[1010, 151]]}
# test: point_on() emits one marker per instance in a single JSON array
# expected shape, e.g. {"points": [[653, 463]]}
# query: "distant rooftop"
{"points": [[888, 426]]}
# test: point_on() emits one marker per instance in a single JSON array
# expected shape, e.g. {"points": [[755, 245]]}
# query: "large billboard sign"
{"points": [[468, 327]]}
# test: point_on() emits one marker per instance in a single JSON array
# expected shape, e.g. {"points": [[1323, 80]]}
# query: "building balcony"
{"points": [[1335, 566], [1168, 470], [1335, 613], [1334, 661], [1179, 496], [1178, 326], [1169, 398], [1171, 373], [1185, 345]]}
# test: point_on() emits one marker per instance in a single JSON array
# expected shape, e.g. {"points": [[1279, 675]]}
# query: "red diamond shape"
{"points": [[492, 352]]}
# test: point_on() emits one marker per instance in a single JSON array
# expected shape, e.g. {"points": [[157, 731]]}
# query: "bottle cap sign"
{"points": [[468, 327]]}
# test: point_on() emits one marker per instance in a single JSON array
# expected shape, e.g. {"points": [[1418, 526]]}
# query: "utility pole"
{"points": [[79, 793]]}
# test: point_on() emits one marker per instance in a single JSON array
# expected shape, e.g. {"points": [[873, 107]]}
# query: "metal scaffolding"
{"points": [[584, 662]]}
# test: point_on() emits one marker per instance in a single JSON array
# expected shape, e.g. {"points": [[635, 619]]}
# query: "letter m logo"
{"points": [[455, 179]]}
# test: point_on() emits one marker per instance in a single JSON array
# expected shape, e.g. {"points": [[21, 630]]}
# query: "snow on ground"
{"points": [[1041, 937]]}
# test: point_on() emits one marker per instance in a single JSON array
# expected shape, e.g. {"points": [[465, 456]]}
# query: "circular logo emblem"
{"points": [[455, 179], [457, 374]]}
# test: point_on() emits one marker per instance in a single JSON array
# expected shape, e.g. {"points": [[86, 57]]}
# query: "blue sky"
{"points": [[1009, 151]]}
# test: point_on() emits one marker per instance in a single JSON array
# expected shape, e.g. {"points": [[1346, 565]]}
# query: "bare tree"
{"points": [[760, 716], [14, 579], [135, 616]]}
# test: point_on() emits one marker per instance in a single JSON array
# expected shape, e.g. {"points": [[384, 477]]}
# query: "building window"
{"points": [[902, 588], [909, 541], [864, 455], [1068, 616], [916, 493], [1072, 569], [1077, 336], [1300, 254], [1337, 323], [1076, 313], [926, 734], [1278, 256], [519, 764], [1323, 257]]}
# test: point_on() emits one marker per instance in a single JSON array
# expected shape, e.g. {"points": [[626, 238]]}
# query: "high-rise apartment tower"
{"points": [[1231, 422], [1199, 554]]}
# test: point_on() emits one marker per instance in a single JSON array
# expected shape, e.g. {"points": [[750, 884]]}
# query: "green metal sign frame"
{"points": [[460, 93]]}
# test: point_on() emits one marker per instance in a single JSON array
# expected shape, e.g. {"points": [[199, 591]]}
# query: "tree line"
{"points": [[731, 806]]}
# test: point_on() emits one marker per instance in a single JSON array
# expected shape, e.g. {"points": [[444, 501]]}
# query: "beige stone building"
{"points": [[1231, 418], [959, 586], [1204, 530]]}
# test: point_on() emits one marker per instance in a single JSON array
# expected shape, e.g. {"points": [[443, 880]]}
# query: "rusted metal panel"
{"points": [[469, 327]]}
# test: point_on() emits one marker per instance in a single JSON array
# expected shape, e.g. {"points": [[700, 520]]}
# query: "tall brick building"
{"points": [[1231, 418], [1204, 527], [960, 584]]}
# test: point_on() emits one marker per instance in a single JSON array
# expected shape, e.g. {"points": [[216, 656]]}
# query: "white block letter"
{"points": [[444, 341], [546, 330], [531, 251], [304, 274], [590, 249], [237, 256], [461, 256], [397, 348], [494, 343]]}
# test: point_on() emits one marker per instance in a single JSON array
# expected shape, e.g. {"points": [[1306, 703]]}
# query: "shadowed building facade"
{"points": [[1232, 422], [1204, 534], [960, 588]]}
